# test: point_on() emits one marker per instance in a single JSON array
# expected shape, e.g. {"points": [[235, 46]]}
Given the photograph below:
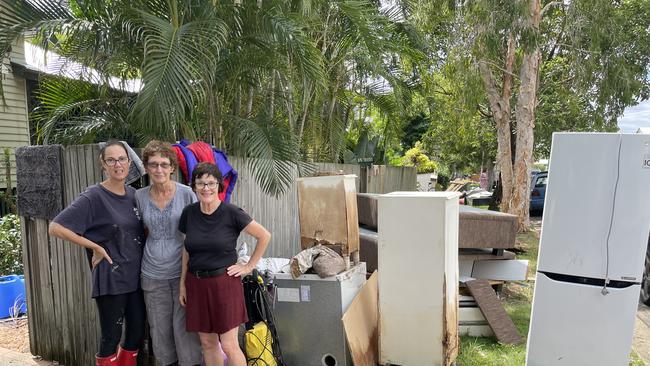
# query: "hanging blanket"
{"points": [[190, 154]]}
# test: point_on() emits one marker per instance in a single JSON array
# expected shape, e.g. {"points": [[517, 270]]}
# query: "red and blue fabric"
{"points": [[227, 171], [200, 151], [186, 160]]}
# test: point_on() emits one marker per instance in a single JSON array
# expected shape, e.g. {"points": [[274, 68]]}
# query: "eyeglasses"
{"points": [[153, 166], [111, 162], [210, 185]]}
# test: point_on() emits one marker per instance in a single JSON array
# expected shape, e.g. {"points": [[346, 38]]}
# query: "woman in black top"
{"points": [[104, 220], [210, 285]]}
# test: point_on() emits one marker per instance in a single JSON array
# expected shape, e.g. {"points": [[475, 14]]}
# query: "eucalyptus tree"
{"points": [[607, 67], [585, 60]]}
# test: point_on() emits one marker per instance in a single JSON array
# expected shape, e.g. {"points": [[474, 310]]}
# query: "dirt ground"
{"points": [[14, 334]]}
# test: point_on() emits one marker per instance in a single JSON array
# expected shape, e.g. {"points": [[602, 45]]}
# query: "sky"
{"points": [[635, 117]]}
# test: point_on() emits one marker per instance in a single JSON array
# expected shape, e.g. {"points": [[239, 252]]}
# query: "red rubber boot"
{"points": [[106, 361], [126, 358]]}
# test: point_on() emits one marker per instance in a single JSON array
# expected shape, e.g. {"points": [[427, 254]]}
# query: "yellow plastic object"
{"points": [[259, 346]]}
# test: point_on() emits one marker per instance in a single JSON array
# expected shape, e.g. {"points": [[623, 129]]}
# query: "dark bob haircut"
{"points": [[208, 169]]}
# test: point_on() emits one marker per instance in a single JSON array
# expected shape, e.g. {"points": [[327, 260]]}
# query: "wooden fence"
{"points": [[63, 323]]}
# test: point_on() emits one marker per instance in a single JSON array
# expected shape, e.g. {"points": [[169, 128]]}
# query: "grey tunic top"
{"points": [[161, 259]]}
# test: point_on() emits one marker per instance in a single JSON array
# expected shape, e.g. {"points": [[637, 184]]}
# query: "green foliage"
{"points": [[7, 196], [11, 250], [459, 137], [414, 130], [561, 108], [225, 72], [417, 157]]}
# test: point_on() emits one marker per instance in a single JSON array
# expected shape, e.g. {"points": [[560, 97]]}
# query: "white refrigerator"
{"points": [[593, 241]]}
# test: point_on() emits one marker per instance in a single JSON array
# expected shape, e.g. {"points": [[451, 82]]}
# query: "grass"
{"points": [[517, 299]]}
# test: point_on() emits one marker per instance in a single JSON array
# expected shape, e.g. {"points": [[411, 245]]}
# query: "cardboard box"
{"points": [[327, 208]]}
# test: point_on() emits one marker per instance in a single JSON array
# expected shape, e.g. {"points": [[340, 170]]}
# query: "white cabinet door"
{"points": [[576, 325], [591, 176]]}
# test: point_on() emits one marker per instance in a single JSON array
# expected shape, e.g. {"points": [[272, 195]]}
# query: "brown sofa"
{"points": [[478, 228]]}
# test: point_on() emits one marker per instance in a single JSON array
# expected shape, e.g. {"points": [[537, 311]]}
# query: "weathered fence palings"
{"points": [[63, 321]]}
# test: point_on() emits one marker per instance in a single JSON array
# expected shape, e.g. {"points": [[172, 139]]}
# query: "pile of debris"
{"points": [[334, 305], [484, 238]]}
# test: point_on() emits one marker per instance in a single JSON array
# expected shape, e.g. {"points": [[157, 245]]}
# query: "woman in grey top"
{"points": [[160, 205]]}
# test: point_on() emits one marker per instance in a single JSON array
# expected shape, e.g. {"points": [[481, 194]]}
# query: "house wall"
{"points": [[14, 122]]}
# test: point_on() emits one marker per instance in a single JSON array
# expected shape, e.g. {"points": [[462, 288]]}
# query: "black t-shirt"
{"points": [[211, 240], [112, 221]]}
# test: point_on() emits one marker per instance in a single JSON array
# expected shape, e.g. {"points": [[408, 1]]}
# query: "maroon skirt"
{"points": [[214, 304]]}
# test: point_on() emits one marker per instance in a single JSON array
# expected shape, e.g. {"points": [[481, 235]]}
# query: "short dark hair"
{"points": [[111, 142], [159, 147], [206, 168]]}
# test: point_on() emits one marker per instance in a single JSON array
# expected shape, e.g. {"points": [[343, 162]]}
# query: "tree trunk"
{"points": [[219, 140], [330, 116], [211, 115], [249, 104], [237, 104], [272, 97], [287, 93], [500, 106], [525, 116], [307, 96]]}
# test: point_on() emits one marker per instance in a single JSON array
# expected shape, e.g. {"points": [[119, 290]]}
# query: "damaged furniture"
{"points": [[308, 312], [327, 208], [477, 228], [418, 279], [309, 307], [483, 237], [482, 234]]}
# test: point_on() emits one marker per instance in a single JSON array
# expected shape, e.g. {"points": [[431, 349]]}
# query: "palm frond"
{"points": [[270, 150], [177, 63]]}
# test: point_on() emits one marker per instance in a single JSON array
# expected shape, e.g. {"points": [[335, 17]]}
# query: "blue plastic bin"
{"points": [[12, 294], [23, 296]]}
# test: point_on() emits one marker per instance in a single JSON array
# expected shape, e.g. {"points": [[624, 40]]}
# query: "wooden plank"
{"points": [[9, 109], [99, 175], [57, 308], [75, 173], [14, 143], [86, 178], [35, 312], [361, 324], [15, 97], [72, 264], [64, 313], [15, 102], [28, 267], [90, 165], [501, 324], [13, 83], [13, 119], [47, 303]]}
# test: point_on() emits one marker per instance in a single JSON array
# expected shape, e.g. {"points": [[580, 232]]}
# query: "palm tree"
{"points": [[271, 80]]}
